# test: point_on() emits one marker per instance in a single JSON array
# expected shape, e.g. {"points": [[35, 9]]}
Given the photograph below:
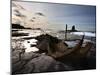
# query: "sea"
{"points": [[29, 42]]}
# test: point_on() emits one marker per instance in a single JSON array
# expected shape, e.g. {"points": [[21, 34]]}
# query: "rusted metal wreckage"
{"points": [[56, 48]]}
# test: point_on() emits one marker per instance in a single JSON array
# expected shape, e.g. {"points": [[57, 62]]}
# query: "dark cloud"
{"points": [[41, 14], [17, 13], [32, 20]]}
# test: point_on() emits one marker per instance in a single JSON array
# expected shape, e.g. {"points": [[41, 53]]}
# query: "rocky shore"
{"points": [[45, 59]]}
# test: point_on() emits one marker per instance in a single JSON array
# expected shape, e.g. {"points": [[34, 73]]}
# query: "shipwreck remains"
{"points": [[66, 33], [56, 48]]}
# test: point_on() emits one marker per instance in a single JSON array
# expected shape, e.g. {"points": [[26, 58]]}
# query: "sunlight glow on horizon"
{"points": [[82, 16]]}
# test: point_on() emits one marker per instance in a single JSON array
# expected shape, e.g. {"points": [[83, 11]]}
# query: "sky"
{"points": [[82, 16]]}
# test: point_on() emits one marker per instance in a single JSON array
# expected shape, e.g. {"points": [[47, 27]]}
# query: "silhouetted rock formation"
{"points": [[19, 34], [73, 28], [17, 26]]}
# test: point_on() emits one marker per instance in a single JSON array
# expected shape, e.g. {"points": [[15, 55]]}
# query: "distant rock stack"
{"points": [[73, 28]]}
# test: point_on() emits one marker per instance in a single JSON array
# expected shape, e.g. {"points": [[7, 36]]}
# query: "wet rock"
{"points": [[29, 55], [37, 64], [16, 67], [15, 56]]}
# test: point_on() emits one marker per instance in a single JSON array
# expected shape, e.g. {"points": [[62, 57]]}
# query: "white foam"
{"points": [[34, 49], [84, 33], [71, 43], [28, 43]]}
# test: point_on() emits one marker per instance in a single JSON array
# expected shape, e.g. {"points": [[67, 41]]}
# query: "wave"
{"points": [[90, 34]]}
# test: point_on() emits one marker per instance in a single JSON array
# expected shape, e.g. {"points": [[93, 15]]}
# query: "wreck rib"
{"points": [[59, 52]]}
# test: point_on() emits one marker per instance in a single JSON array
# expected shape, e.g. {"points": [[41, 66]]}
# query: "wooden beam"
{"points": [[66, 33]]}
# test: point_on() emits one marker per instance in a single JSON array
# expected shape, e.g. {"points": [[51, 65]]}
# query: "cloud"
{"points": [[41, 14], [27, 18]]}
